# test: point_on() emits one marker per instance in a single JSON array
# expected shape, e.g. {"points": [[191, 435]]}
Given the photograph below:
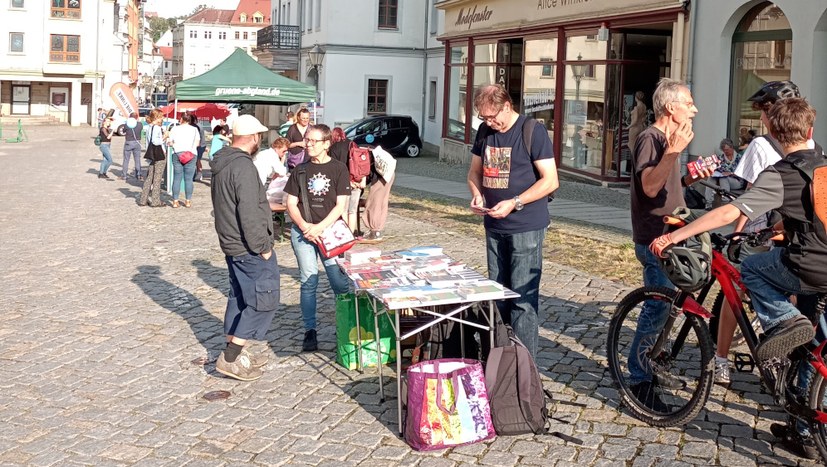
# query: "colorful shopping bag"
{"points": [[447, 404], [346, 336]]}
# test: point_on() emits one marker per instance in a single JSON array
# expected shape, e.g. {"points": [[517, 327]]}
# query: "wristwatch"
{"points": [[518, 205]]}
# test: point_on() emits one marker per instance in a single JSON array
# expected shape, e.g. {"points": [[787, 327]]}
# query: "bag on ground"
{"points": [[447, 404], [384, 162], [358, 162], [347, 338], [515, 391]]}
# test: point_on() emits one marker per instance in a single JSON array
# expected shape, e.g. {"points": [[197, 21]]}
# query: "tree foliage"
{"points": [[160, 25]]}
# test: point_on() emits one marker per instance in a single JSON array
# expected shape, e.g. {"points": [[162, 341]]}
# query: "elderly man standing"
{"points": [[244, 225], [656, 190], [510, 184]]}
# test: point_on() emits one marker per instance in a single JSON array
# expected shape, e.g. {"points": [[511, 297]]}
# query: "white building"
{"points": [[209, 36], [380, 57]]}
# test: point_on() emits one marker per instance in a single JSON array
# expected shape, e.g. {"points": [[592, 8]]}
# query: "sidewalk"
{"points": [[560, 208]]}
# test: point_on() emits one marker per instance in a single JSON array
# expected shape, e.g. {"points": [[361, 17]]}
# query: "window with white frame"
{"points": [[548, 70], [318, 23], [377, 96], [237, 35], [18, 3], [16, 42], [243, 18], [434, 18], [388, 10], [192, 68], [222, 35], [207, 34], [193, 34], [258, 18], [244, 35]]}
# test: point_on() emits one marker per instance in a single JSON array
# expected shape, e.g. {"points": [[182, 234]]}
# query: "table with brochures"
{"points": [[420, 280]]}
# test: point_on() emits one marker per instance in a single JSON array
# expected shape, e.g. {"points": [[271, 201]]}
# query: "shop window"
{"points": [[538, 96], [377, 96], [485, 53], [547, 70], [18, 4], [582, 129], [16, 42], [388, 10], [64, 48], [457, 77], [540, 50], [762, 50], [585, 48], [66, 9]]}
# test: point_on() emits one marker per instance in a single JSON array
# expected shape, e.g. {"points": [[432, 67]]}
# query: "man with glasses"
{"points": [[656, 191], [509, 185]]}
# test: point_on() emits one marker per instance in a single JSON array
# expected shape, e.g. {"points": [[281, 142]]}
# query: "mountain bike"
{"points": [[681, 358]]}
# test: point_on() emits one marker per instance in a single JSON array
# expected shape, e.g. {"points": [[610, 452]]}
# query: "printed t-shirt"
{"points": [[508, 171], [325, 182], [647, 213]]}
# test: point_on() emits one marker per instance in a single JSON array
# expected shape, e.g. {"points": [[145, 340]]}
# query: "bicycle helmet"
{"points": [[687, 264], [773, 91]]}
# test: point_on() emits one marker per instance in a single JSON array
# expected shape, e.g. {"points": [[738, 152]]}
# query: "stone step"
{"points": [[27, 120]]}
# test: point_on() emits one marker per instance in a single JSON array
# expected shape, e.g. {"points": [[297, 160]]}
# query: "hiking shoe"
{"points": [[784, 337], [668, 381], [721, 371], [802, 446], [241, 369], [258, 353], [310, 343], [647, 395], [373, 237]]}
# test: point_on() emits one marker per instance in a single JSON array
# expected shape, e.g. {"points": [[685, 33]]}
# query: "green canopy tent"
{"points": [[241, 79]]}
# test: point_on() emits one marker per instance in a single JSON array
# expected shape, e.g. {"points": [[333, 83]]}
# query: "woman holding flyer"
{"points": [[326, 185]]}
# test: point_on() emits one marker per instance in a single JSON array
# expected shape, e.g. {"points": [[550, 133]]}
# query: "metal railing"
{"points": [[279, 36]]}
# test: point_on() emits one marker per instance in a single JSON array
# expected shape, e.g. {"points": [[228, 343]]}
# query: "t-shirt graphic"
{"points": [[496, 167], [318, 185]]}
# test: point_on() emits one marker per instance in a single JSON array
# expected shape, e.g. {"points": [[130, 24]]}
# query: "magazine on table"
{"points": [[482, 290]]}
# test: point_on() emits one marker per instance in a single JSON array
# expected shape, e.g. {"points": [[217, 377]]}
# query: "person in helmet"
{"points": [[797, 269]]}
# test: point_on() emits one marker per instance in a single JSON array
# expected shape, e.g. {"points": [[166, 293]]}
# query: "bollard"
{"points": [[21, 133]]}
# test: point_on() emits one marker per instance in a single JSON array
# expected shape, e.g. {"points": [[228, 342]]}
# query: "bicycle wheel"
{"points": [[818, 401], [683, 370], [738, 336]]}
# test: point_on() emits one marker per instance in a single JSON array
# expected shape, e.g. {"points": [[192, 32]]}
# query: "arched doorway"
{"points": [[761, 51]]}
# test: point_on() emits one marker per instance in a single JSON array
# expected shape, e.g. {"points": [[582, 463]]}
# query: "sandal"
{"points": [[175, 204], [187, 204]]}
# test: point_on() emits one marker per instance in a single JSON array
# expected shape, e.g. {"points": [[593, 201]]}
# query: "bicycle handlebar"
{"points": [[720, 191]]}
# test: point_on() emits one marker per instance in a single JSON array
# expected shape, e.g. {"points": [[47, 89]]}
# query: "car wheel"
{"points": [[412, 150], [122, 130]]}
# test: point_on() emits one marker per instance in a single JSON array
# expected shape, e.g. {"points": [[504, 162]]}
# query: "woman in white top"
{"points": [[184, 138]]}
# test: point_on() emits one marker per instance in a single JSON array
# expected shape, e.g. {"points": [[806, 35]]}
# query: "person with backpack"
{"points": [[510, 183], [132, 147], [341, 151], [797, 269]]}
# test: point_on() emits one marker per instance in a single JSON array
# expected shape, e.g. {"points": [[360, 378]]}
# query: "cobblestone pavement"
{"points": [[108, 308]]}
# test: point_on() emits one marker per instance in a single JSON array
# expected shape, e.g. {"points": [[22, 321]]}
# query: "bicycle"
{"points": [[680, 356]]}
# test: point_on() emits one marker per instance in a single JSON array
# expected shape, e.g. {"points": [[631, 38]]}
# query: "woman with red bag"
{"points": [[326, 183]]}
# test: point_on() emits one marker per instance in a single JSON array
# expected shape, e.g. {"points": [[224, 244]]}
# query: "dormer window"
{"points": [[243, 17]]}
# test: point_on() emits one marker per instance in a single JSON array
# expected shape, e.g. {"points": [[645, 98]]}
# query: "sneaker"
{"points": [[721, 371], [784, 337], [241, 369], [310, 343], [373, 237], [647, 395], [802, 446], [258, 353]]}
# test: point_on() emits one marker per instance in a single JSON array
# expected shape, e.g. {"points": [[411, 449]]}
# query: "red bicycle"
{"points": [[680, 357]]}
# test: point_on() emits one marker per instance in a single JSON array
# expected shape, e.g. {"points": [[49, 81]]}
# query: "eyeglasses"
{"points": [[486, 118], [313, 141], [686, 103]]}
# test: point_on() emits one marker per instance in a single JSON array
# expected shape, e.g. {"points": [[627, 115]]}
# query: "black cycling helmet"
{"points": [[687, 264], [774, 91]]}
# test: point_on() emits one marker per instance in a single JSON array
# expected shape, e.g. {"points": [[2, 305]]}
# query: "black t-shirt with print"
{"points": [[508, 170], [325, 182]]}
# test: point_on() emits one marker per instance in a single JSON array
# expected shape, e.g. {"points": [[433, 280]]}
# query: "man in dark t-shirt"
{"points": [[656, 190], [509, 185]]}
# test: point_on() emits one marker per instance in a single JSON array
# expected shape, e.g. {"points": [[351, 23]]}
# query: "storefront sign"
{"points": [[474, 15], [538, 101]]}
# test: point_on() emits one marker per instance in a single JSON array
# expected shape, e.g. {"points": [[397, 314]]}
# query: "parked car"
{"points": [[397, 134]]}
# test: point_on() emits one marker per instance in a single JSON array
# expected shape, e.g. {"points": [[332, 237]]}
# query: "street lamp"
{"points": [[578, 71], [316, 55]]}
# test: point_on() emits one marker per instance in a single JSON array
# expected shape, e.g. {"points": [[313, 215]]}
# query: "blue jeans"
{"points": [[770, 285], [653, 315], [107, 157], [306, 254], [516, 261], [185, 171]]}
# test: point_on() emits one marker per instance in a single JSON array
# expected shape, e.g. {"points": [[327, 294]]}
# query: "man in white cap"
{"points": [[244, 224]]}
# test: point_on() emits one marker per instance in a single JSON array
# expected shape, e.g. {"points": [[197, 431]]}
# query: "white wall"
{"points": [[712, 62]]}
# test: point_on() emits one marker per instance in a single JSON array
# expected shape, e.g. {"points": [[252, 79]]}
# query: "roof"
{"points": [[166, 52], [211, 16], [250, 7]]}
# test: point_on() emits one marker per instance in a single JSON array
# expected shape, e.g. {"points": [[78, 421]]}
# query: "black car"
{"points": [[397, 134]]}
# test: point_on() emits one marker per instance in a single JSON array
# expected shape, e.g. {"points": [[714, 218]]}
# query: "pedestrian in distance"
{"points": [[656, 191], [101, 116], [244, 225], [132, 147], [219, 140], [105, 134], [202, 146], [327, 189], [513, 199], [184, 138], [295, 134], [289, 120], [151, 191]]}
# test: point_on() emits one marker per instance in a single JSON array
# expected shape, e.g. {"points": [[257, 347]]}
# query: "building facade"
{"points": [[63, 64], [573, 65], [738, 46], [209, 36]]}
